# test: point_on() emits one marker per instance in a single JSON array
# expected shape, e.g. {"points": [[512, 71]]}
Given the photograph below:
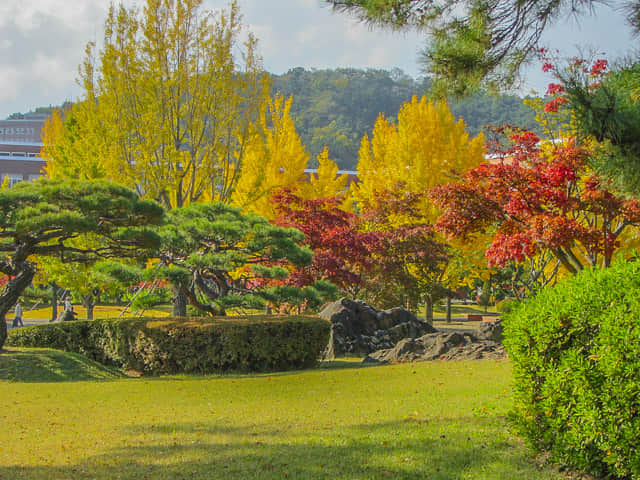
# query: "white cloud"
{"points": [[310, 36], [8, 89], [42, 42]]}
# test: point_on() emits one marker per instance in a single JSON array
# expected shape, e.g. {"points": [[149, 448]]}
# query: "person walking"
{"points": [[69, 314], [17, 315]]}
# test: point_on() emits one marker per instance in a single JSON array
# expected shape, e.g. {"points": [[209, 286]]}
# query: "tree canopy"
{"points": [[474, 42], [335, 108], [532, 202], [274, 158], [606, 108], [218, 257], [48, 217], [330, 108], [341, 253], [424, 148], [167, 106], [409, 262]]}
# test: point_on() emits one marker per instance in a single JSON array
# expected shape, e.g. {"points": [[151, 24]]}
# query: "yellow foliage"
{"points": [[75, 145], [274, 158], [426, 147], [326, 182], [166, 107]]}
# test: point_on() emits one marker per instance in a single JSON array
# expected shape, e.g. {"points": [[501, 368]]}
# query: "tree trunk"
{"points": [[88, 302], [54, 301], [11, 293], [428, 309], [448, 309], [179, 302]]}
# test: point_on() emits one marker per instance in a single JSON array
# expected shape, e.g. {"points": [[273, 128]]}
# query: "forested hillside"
{"points": [[337, 107]]}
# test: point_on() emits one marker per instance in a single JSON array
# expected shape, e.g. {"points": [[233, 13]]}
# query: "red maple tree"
{"points": [[410, 261], [341, 253], [533, 202]]}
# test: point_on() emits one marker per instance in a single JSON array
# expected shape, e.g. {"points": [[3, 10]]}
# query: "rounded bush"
{"points": [[188, 345], [576, 355]]}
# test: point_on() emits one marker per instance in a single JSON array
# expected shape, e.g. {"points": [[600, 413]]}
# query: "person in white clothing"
{"points": [[17, 315], [68, 306], [68, 313]]}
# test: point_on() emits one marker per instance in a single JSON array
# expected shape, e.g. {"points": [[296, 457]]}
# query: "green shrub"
{"points": [[576, 355], [507, 304], [189, 345]]}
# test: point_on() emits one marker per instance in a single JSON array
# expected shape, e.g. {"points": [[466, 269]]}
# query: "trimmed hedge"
{"points": [[576, 355], [189, 345]]}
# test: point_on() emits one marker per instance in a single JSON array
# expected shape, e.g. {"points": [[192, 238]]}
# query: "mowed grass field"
{"points": [[99, 311], [64, 417], [458, 312]]}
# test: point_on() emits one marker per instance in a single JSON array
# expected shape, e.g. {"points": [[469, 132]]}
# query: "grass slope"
{"points": [[46, 365], [411, 421]]}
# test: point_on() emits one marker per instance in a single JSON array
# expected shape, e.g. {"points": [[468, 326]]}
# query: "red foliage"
{"points": [[592, 71], [554, 89], [408, 255], [536, 203], [340, 252], [552, 106], [598, 67]]}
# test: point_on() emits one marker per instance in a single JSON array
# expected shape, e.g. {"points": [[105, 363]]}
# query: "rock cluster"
{"points": [[439, 346], [396, 335], [359, 329]]}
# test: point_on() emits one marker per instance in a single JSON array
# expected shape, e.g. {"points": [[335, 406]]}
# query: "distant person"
{"points": [[68, 313], [17, 315], [68, 306]]}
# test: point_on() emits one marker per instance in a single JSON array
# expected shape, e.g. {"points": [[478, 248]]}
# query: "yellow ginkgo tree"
{"points": [[426, 147], [167, 106], [275, 158], [326, 181]]}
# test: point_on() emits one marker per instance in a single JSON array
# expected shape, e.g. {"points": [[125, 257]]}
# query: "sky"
{"points": [[42, 43]]}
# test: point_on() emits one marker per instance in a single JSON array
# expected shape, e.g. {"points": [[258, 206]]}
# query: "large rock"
{"points": [[439, 346], [490, 330], [359, 329]]}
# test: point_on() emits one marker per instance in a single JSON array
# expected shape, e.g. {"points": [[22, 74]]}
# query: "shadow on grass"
{"points": [[475, 448], [46, 365], [339, 364]]}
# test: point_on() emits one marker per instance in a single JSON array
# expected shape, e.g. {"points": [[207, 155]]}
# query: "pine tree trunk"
{"points": [[11, 293], [179, 302], [448, 309]]}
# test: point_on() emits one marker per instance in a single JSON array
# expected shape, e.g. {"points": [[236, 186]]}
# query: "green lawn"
{"points": [[461, 310], [458, 311], [100, 311], [411, 421]]}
